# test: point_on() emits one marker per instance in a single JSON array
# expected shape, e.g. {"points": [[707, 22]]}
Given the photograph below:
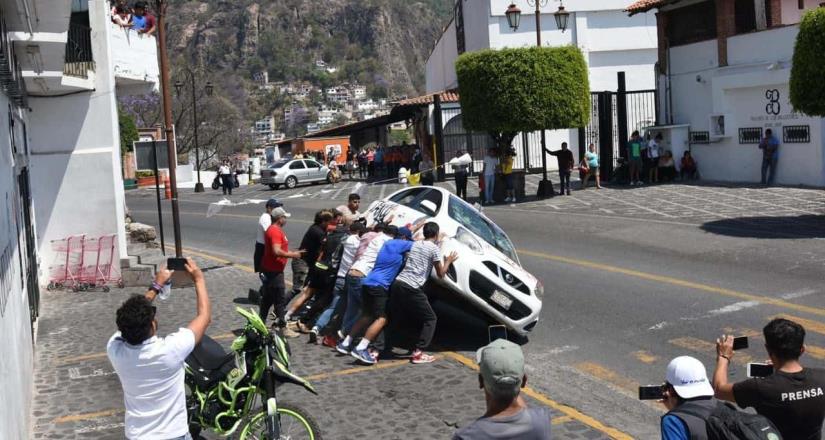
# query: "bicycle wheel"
{"points": [[296, 424]]}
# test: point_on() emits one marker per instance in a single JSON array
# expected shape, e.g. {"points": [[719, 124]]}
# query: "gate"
{"points": [[457, 139], [32, 282]]}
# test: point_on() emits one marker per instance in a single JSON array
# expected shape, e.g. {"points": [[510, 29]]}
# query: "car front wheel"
{"points": [[291, 182]]}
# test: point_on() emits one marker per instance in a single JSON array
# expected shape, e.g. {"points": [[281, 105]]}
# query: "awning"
{"points": [[349, 129], [405, 105], [646, 5]]}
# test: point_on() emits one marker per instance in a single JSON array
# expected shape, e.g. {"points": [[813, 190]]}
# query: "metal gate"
{"points": [[457, 139], [32, 282]]}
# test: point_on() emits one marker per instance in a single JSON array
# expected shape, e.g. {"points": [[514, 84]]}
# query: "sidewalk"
{"points": [[77, 395]]}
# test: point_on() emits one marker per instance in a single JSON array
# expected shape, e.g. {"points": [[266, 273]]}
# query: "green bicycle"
{"points": [[233, 394]]}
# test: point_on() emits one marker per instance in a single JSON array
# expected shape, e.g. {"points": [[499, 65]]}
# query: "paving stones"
{"points": [[77, 394]]}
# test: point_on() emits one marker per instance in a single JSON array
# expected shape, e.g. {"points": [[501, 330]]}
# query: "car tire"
{"points": [[291, 182], [273, 186]]}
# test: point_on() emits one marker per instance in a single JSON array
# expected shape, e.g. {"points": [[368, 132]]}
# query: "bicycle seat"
{"points": [[208, 355]]}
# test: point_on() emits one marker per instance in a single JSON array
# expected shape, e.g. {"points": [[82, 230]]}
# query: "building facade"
{"points": [[723, 74], [610, 42]]}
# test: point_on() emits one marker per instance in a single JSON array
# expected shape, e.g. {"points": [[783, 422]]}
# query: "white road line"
{"points": [[778, 192], [714, 214], [766, 203], [383, 188], [335, 196], [636, 205]]}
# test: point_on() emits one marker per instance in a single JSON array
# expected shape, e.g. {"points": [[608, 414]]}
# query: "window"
{"points": [[483, 228], [433, 196], [692, 24], [745, 12], [312, 164], [297, 165], [407, 197]]}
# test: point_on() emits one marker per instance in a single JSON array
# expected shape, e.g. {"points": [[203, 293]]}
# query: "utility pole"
{"points": [[166, 97]]}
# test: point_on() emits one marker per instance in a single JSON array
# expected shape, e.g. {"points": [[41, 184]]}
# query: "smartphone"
{"points": [[176, 264], [497, 332], [759, 370], [651, 392], [740, 343]]}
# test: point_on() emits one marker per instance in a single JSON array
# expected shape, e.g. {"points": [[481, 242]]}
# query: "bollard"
{"points": [[168, 188]]}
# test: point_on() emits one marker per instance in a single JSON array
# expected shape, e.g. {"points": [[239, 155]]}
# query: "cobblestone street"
{"points": [[77, 395]]}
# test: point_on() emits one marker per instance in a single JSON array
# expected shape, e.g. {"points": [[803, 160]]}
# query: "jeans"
{"points": [[489, 185], [565, 181], [274, 293], [353, 289], [768, 162], [461, 185], [335, 306], [258, 256]]}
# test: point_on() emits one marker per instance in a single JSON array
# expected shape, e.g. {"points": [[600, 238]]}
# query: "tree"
{"points": [[507, 91], [128, 131], [807, 71]]}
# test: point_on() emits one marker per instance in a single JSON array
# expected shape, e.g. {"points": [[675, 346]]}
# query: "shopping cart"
{"points": [[87, 263], [67, 275]]}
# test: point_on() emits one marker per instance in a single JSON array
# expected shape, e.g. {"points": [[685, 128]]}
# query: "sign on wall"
{"points": [[144, 159]]}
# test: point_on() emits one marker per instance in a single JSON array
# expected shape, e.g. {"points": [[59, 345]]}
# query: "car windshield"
{"points": [[280, 162], [468, 217]]}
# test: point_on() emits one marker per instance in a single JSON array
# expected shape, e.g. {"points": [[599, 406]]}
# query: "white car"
{"points": [[487, 274], [291, 172]]}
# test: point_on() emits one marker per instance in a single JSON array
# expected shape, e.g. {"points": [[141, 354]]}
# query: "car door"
{"points": [[314, 171], [297, 169]]}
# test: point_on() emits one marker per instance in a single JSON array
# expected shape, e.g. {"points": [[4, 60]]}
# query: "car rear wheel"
{"points": [[291, 182]]}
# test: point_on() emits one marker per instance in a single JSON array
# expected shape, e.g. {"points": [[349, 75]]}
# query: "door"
{"points": [[32, 281], [314, 171], [297, 169]]}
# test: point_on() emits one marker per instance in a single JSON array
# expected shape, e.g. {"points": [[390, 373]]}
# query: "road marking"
{"points": [[645, 357], [561, 419], [705, 347], [201, 254], [355, 370], [678, 282], [383, 188], [730, 194], [636, 205], [87, 416], [85, 357], [607, 375], [203, 214], [564, 409]]}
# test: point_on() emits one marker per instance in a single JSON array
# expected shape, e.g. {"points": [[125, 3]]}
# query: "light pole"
{"points": [[561, 16], [208, 88]]}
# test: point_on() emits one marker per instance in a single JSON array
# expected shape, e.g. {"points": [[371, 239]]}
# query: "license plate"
{"points": [[502, 299]]}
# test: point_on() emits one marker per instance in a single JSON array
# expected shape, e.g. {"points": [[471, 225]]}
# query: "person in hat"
{"points": [[688, 396], [263, 224], [501, 376], [276, 252]]}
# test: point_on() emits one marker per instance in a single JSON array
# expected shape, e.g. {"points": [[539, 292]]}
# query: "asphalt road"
{"points": [[624, 294]]}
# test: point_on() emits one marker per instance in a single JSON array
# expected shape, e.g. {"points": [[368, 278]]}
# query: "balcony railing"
{"points": [[79, 60]]}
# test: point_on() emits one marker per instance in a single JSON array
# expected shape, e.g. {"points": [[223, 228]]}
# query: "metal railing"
{"points": [[79, 58]]}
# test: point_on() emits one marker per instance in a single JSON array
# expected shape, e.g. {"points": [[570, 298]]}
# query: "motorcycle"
{"points": [[233, 394], [217, 184]]}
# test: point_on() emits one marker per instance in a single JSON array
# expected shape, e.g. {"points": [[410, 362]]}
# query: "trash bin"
{"points": [[402, 175]]}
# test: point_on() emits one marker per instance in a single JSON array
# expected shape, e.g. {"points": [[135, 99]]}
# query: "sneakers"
{"points": [[329, 341], [313, 336], [419, 357], [289, 333], [363, 356], [507, 200], [343, 349], [374, 353]]}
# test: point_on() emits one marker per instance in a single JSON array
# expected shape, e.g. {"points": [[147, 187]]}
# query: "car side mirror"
{"points": [[428, 207]]}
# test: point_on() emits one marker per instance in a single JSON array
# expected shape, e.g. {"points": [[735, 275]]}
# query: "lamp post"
{"points": [[513, 14], [208, 88]]}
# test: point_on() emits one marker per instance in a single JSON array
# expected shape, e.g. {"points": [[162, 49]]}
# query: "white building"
{"points": [[338, 94], [611, 43], [724, 69], [367, 106], [264, 127], [358, 91], [73, 62]]}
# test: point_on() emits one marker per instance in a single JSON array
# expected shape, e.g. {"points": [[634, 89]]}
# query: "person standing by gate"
{"points": [[460, 173], [509, 178], [592, 160], [634, 157], [566, 162], [770, 154], [490, 167]]}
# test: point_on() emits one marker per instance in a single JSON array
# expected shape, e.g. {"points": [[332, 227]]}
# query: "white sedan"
{"points": [[487, 274]]}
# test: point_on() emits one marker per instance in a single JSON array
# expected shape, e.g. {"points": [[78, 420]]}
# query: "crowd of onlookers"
{"points": [[381, 162], [136, 17], [648, 162]]}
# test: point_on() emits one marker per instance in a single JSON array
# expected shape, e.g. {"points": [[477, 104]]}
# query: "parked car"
{"points": [[290, 172], [488, 274]]}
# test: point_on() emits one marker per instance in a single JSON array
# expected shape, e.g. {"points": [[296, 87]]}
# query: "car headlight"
{"points": [[274, 173], [466, 238], [539, 289]]}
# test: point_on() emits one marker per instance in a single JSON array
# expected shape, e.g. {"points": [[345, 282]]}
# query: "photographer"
{"points": [[792, 397], [150, 368], [688, 396]]}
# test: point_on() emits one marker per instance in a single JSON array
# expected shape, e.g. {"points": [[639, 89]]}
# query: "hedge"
{"points": [[508, 91], [808, 69]]}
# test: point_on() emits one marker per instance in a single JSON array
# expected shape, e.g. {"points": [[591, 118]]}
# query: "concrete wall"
{"points": [[76, 169], [440, 70], [15, 330], [791, 14]]}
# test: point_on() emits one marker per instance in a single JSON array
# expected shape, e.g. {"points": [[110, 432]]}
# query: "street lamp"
{"points": [[513, 14], [561, 17], [208, 88]]}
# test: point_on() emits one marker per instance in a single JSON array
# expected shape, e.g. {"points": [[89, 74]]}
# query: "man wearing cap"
{"points": [[688, 396], [501, 375], [263, 224], [276, 252]]}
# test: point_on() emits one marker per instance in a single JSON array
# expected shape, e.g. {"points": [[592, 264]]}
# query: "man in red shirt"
{"points": [[276, 252]]}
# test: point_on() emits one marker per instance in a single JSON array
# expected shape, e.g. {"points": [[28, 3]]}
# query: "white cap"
{"points": [[688, 377]]}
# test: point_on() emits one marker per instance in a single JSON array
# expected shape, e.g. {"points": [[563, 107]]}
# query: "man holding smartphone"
{"points": [[150, 368], [793, 397]]}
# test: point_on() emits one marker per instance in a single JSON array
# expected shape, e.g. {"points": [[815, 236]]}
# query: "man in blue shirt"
{"points": [[770, 154], [688, 396], [375, 293]]}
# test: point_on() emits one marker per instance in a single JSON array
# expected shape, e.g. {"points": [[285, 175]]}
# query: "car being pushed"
{"points": [[290, 172], [488, 274]]}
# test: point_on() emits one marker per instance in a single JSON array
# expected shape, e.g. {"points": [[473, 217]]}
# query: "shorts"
{"points": [[635, 162], [374, 301], [317, 278]]}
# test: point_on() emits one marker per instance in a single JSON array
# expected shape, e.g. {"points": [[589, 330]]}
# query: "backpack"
{"points": [[726, 422]]}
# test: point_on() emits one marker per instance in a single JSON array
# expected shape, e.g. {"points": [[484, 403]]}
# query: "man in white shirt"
{"points": [[263, 224], [226, 178], [151, 369], [350, 210], [654, 151]]}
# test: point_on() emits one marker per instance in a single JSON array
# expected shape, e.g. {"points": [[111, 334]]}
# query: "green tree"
{"points": [[507, 91], [808, 70], [128, 130]]}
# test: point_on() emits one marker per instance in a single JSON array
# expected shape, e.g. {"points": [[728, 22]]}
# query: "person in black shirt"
{"points": [[793, 397], [566, 162], [311, 244]]}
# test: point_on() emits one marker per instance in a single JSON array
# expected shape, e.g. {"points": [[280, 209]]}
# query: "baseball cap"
{"points": [[279, 212], [405, 232], [273, 203], [501, 363], [688, 377]]}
